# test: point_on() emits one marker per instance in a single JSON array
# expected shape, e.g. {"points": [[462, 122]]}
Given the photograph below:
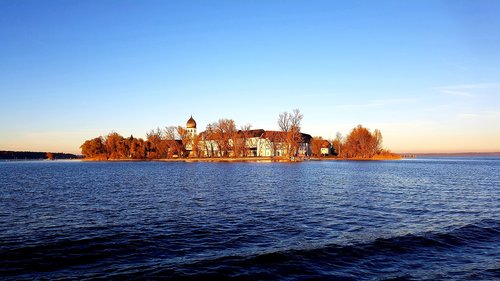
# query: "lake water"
{"points": [[419, 219]]}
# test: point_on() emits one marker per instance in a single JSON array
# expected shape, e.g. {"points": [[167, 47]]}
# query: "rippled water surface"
{"points": [[417, 219]]}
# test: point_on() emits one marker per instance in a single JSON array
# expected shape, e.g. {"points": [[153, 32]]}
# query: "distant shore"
{"points": [[457, 154], [36, 155]]}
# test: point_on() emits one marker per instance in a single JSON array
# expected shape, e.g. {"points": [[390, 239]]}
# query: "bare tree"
{"points": [[224, 131], [243, 139], [171, 138], [284, 121], [208, 140], [290, 124], [338, 144], [154, 138], [196, 145], [377, 141], [185, 137], [170, 133]]}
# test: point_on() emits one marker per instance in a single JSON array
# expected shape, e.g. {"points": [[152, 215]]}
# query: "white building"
{"points": [[258, 143]]}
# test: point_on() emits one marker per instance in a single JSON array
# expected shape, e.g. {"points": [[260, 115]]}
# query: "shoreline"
{"points": [[245, 159]]}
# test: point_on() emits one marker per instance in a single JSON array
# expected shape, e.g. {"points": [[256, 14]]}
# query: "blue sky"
{"points": [[426, 73]]}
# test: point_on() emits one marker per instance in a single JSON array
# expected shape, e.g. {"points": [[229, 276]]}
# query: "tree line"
{"points": [[220, 139], [157, 145]]}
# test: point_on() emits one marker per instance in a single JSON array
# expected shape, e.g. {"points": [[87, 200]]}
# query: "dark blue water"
{"points": [[424, 219]]}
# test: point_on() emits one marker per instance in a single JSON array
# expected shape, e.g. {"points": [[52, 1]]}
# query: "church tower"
{"points": [[191, 129], [191, 126]]}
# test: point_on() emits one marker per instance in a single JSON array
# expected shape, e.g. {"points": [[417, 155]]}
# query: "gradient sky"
{"points": [[426, 73]]}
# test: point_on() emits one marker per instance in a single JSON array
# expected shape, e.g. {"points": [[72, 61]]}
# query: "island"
{"points": [[223, 141]]}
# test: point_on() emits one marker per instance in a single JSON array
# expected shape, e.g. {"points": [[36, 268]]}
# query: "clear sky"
{"points": [[426, 73]]}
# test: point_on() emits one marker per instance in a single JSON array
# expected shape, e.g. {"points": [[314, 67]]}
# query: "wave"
{"points": [[142, 257], [310, 263]]}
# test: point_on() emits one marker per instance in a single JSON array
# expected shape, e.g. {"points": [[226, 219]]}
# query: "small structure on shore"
{"points": [[326, 148]]}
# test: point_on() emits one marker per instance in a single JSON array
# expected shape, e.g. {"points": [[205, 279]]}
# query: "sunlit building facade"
{"points": [[257, 143]]}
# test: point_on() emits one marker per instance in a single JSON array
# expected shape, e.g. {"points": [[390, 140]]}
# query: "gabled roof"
{"points": [[282, 135], [325, 144], [257, 133]]}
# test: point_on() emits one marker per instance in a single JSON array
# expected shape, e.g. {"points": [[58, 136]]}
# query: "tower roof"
{"points": [[191, 123]]}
